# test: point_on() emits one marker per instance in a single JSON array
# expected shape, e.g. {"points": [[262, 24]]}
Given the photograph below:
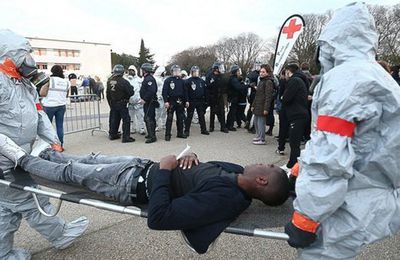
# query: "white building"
{"points": [[81, 58]]}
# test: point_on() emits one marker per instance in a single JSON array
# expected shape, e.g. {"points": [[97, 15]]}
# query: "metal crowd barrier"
{"points": [[83, 114]]}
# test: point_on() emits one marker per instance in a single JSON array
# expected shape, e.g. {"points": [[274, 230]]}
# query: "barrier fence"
{"points": [[83, 114]]}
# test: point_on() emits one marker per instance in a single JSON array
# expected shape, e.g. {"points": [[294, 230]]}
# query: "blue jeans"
{"points": [[111, 176], [57, 112]]}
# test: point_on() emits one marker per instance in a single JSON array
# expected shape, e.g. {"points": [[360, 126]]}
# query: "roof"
{"points": [[59, 40]]}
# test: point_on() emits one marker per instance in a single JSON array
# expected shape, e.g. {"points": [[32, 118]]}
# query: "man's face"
{"points": [[288, 74], [260, 169]]}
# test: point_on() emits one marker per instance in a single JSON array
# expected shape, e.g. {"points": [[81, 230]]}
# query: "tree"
{"points": [[124, 59], [306, 45], [203, 57], [144, 55]]}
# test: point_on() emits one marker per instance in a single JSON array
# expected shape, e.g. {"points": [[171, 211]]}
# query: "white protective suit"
{"points": [[135, 108], [161, 112], [349, 180], [22, 122]]}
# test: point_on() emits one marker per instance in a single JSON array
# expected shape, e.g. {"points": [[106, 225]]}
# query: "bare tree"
{"points": [[387, 21], [199, 56], [306, 44]]}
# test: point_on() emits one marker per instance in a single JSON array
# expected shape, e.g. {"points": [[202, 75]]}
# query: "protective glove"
{"points": [[301, 231]]}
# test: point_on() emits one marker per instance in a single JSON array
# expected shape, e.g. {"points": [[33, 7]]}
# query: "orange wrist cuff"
{"points": [[304, 223], [295, 170]]}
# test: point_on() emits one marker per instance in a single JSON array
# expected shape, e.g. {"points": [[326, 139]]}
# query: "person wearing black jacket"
{"points": [[252, 80], [216, 87], [197, 94], [148, 94], [236, 89], [201, 199], [294, 100], [175, 100], [119, 90]]}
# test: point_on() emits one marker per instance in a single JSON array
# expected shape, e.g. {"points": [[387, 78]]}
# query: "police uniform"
{"points": [[197, 94], [148, 92], [216, 90], [175, 93], [119, 90]]}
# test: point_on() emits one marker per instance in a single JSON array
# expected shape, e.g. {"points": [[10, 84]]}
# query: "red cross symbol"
{"points": [[292, 28]]}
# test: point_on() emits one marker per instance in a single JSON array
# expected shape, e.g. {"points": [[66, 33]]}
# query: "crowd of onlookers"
{"points": [[250, 101]]}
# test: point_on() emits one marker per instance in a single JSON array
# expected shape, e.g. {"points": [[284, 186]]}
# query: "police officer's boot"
{"points": [[151, 129]]}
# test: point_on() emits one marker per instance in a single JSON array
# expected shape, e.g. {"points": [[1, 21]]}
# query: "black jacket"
{"points": [[119, 90], [174, 89], [196, 88], [202, 214], [236, 89], [294, 98], [216, 87], [148, 90]]}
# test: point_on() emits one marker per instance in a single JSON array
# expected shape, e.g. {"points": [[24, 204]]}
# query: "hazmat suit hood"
{"points": [[159, 71], [345, 39], [132, 67], [13, 46]]}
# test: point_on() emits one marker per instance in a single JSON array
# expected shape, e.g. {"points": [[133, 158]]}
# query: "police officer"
{"points": [[176, 99], [237, 88], [119, 90], [197, 94], [148, 94], [252, 80], [216, 88]]}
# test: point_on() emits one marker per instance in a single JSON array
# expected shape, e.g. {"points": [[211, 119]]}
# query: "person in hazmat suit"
{"points": [[135, 107], [22, 119], [161, 112], [348, 185]]}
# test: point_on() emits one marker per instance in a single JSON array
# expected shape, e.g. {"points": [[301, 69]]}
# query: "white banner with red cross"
{"points": [[290, 31]]}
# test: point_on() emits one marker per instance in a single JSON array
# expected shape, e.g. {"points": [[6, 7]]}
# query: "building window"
{"points": [[63, 66], [77, 66], [67, 53], [39, 51], [42, 66]]}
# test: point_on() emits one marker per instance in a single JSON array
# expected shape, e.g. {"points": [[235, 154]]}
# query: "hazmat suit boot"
{"points": [[72, 231], [10, 149]]}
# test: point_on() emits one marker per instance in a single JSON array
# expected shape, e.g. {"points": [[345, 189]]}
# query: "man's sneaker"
{"points": [[280, 152], [259, 142], [286, 169], [142, 132], [256, 139], [39, 147], [10, 149]]}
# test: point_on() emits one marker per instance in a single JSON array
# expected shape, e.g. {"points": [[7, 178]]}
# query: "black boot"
{"points": [[128, 140], [168, 138], [151, 130]]}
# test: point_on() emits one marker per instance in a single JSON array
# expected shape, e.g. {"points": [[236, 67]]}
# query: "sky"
{"points": [[167, 26]]}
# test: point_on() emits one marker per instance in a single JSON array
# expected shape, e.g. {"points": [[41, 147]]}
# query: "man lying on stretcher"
{"points": [[201, 199]]}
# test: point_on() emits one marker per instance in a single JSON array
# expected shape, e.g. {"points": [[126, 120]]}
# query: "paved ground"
{"points": [[117, 236]]}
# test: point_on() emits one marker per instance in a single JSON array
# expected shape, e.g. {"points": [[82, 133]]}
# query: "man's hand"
{"points": [[168, 162], [265, 112], [187, 104], [166, 105], [142, 102], [187, 161], [57, 147]]}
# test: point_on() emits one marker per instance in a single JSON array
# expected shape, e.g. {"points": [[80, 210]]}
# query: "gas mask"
{"points": [[323, 57], [132, 73], [28, 69]]}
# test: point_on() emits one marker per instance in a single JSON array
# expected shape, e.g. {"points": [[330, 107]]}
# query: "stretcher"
{"points": [[77, 194]]}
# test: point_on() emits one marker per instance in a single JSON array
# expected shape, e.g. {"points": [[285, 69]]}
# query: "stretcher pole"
{"points": [[132, 210]]}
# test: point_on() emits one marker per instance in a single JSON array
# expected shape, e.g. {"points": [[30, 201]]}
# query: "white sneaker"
{"points": [[259, 142], [286, 169], [256, 139], [10, 149]]}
